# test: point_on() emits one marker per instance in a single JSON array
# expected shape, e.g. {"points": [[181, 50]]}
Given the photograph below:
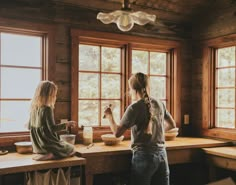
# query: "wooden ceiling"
{"points": [[178, 11], [175, 18]]}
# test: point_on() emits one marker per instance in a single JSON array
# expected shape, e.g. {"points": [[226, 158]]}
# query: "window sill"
{"points": [[7, 140], [97, 132], [220, 133]]}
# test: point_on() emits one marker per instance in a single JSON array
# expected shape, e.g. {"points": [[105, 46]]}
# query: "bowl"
{"points": [[172, 130], [24, 147], [110, 139], [169, 136], [69, 138]]}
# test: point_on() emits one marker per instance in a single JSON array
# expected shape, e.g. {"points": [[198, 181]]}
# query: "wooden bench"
{"points": [[222, 157], [13, 163]]}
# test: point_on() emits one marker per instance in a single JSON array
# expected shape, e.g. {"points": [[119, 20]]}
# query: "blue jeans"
{"points": [[150, 167]]}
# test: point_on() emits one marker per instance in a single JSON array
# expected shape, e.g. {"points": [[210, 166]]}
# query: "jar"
{"points": [[87, 135]]}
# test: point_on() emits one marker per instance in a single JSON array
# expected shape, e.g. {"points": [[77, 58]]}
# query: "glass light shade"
{"points": [[125, 19], [125, 22]]}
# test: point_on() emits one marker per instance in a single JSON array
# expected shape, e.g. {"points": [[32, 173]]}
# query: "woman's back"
{"points": [[136, 117]]}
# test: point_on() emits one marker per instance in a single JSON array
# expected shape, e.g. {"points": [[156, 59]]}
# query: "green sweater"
{"points": [[43, 133]]}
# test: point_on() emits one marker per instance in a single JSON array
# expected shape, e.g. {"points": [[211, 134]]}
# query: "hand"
{"points": [[70, 123], [107, 111]]}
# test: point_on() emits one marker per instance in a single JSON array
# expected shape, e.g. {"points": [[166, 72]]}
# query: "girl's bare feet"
{"points": [[41, 157], [72, 153]]}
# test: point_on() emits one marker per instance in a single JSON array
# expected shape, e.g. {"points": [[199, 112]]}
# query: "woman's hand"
{"points": [[107, 112]]}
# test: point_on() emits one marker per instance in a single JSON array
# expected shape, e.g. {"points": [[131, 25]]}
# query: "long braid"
{"points": [[149, 112], [139, 82]]}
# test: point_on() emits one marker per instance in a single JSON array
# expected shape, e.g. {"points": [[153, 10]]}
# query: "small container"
{"points": [[87, 135], [24, 147], [69, 138]]}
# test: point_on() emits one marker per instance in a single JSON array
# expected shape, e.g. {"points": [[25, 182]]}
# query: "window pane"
{"points": [[115, 108], [19, 83], [226, 57], [111, 58], [88, 112], [14, 116], [157, 63], [20, 50], [139, 61], [158, 87], [89, 57], [226, 118], [88, 85], [226, 77], [226, 98], [110, 86]]}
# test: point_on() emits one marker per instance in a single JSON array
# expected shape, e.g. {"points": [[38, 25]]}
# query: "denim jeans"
{"points": [[150, 167]]}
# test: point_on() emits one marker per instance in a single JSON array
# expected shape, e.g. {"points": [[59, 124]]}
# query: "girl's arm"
{"points": [[51, 122]]}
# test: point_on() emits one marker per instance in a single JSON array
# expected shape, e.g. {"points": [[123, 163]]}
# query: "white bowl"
{"points": [[69, 138], [110, 139]]}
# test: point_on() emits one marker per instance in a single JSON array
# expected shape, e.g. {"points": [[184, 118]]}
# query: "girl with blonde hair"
{"points": [[145, 116], [43, 130]]}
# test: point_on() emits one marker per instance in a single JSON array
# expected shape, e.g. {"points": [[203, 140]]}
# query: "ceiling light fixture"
{"points": [[125, 18]]}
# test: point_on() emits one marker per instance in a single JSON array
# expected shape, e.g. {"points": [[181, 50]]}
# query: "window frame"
{"points": [[122, 84], [47, 33], [208, 128], [168, 72], [129, 42]]}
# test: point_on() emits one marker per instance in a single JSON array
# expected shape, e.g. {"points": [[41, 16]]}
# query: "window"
{"points": [[101, 66], [154, 64], [26, 56], [20, 72], [219, 88], [225, 87], [99, 83]]}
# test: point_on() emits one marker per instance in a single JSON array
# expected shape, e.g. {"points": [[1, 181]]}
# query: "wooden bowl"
{"points": [[24, 147], [110, 139], [169, 136]]}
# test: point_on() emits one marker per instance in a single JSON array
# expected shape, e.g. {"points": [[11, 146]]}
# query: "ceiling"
{"points": [[174, 17], [166, 10]]}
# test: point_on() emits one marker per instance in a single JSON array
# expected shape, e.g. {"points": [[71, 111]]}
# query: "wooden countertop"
{"points": [[226, 151], [14, 163], [124, 146]]}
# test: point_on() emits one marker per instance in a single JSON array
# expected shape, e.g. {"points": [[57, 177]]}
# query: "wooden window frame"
{"points": [[168, 72], [122, 95], [129, 42], [208, 93], [47, 32]]}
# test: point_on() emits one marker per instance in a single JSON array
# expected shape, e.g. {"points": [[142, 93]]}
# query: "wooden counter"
{"points": [[105, 159], [223, 157], [15, 163]]}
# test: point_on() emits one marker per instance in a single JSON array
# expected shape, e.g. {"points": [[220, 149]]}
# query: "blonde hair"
{"points": [[140, 83], [45, 95]]}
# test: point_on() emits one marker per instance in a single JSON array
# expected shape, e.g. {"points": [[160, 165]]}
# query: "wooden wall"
{"points": [[67, 16], [212, 24]]}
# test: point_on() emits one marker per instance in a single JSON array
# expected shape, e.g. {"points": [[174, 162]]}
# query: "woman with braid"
{"points": [[145, 116]]}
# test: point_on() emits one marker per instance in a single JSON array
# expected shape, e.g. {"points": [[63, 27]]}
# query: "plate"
{"points": [[3, 152]]}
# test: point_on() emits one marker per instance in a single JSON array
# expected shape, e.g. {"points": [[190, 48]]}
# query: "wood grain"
{"points": [[15, 163]]}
